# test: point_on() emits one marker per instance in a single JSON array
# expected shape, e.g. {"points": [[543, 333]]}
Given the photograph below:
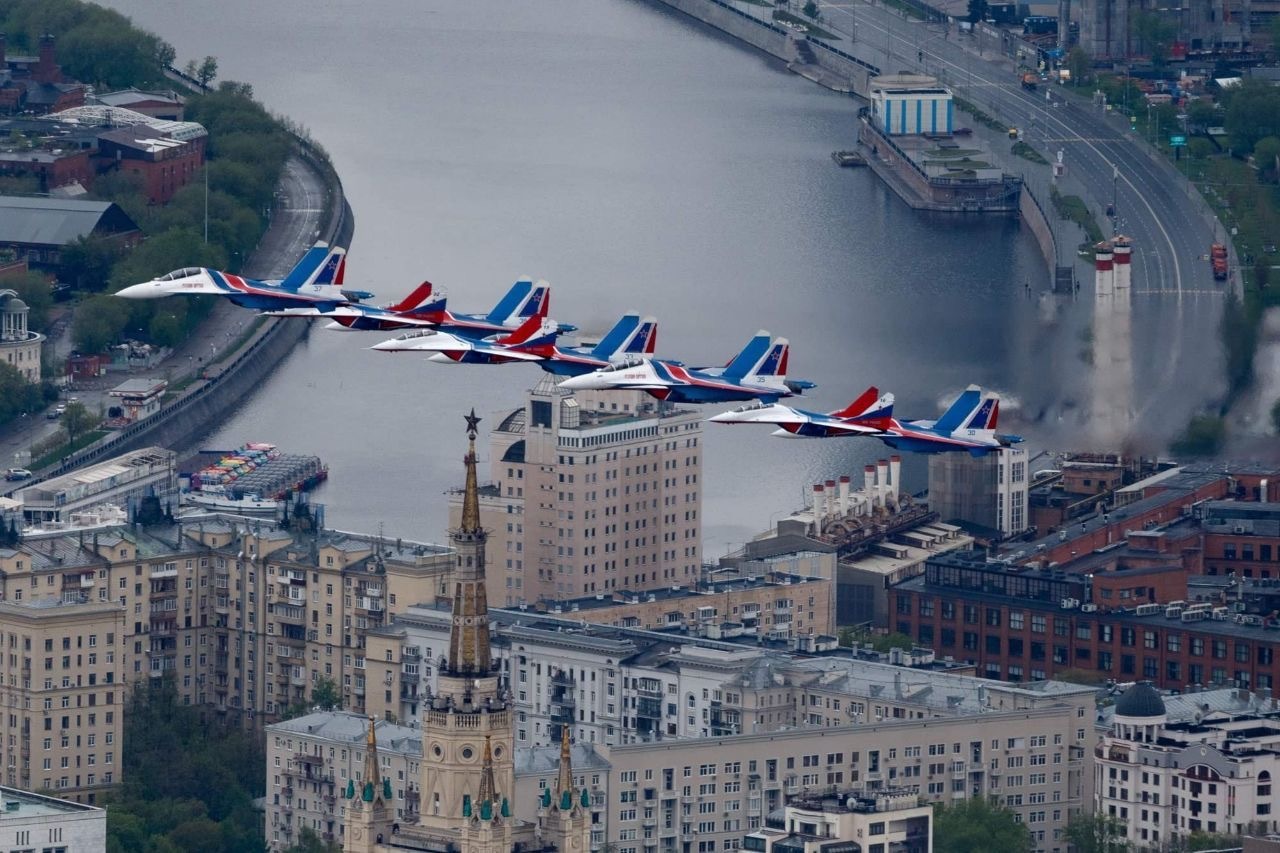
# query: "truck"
{"points": [[1030, 81], [1218, 257]]}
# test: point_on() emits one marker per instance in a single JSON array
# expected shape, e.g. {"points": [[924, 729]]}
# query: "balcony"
{"points": [[220, 663], [369, 605], [299, 679], [168, 571]]}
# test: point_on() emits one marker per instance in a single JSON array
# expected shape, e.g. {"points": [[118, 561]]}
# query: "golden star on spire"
{"points": [[473, 423]]}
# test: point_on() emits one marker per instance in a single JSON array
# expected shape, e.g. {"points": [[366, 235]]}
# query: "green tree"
{"points": [[1199, 148], [34, 290], [1154, 35], [1079, 64], [1275, 415], [207, 71], [326, 695], [310, 842], [811, 9], [1239, 333], [86, 263], [77, 420], [1203, 436], [977, 11], [17, 395], [976, 826], [165, 329], [1261, 272], [98, 322], [1203, 113], [1274, 29], [1253, 113], [1266, 158], [1097, 833]]}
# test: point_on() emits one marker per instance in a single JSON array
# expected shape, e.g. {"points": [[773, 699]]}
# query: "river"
{"points": [[636, 161]]}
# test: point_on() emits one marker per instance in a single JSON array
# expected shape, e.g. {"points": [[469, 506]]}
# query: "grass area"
{"points": [[907, 9], [1026, 152], [965, 163], [978, 115], [951, 153], [807, 23], [56, 455], [1073, 208]]}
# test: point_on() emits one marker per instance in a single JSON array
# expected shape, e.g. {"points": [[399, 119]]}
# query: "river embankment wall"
{"points": [[773, 39], [209, 399]]}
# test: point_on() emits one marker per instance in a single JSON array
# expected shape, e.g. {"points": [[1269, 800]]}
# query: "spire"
{"points": [[470, 500], [566, 768], [372, 776], [469, 651], [487, 792]]}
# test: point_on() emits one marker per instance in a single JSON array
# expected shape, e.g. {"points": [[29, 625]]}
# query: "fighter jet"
{"points": [[314, 284], [969, 424], [759, 372], [426, 308], [534, 342]]}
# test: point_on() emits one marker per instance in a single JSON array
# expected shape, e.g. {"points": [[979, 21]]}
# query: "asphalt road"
{"points": [[296, 219], [1178, 366]]}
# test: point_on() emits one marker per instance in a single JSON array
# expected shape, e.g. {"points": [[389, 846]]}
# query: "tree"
{"points": [[1253, 113], [1154, 34], [1203, 437], [811, 9], [1261, 272], [977, 10], [34, 290], [1266, 158], [98, 322], [1202, 113], [1275, 36], [976, 826], [1097, 833], [1275, 415], [310, 842], [326, 695], [207, 71], [86, 263], [77, 420], [1079, 64]]}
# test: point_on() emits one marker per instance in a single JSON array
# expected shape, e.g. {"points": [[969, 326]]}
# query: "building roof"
{"points": [[22, 805], [58, 221], [546, 759], [346, 727], [1140, 700]]}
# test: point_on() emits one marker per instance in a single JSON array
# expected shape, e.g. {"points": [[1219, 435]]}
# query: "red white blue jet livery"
{"points": [[759, 372], [969, 424], [315, 285], [427, 308], [533, 342]]}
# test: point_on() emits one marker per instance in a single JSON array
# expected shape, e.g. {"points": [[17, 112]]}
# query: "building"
{"points": [[848, 822], [985, 491], [64, 693], [1123, 615], [1199, 762], [595, 493], [1242, 539], [247, 616], [162, 105], [35, 84], [163, 160], [19, 346], [1110, 32], [911, 104], [866, 540], [38, 228], [31, 821], [467, 781], [139, 398], [121, 481]]}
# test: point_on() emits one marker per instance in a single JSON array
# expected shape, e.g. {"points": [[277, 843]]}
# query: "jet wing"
{"points": [[796, 422]]}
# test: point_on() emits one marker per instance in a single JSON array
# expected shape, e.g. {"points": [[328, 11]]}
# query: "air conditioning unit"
{"points": [[1088, 608]]}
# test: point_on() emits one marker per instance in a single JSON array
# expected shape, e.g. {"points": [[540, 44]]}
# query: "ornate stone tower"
{"points": [[369, 809], [468, 775], [564, 815]]}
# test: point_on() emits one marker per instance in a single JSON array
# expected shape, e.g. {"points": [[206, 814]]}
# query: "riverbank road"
{"points": [[297, 218], [1177, 306]]}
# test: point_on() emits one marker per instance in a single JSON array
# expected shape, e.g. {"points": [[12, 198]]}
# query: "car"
{"points": [[17, 474]]}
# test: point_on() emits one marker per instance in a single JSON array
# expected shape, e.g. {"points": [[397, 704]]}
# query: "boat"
{"points": [[244, 505], [255, 471], [848, 158]]}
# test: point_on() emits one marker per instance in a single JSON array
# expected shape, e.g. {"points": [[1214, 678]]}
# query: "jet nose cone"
{"points": [[392, 345], [146, 290], [725, 418], [582, 382]]}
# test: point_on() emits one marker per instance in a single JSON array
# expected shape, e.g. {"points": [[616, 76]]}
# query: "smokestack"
{"points": [[4, 43], [1104, 272], [869, 482], [882, 481], [844, 494], [817, 505], [46, 67], [1123, 254], [895, 472]]}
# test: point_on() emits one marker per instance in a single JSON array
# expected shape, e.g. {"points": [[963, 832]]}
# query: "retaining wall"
{"points": [[1036, 219], [771, 38]]}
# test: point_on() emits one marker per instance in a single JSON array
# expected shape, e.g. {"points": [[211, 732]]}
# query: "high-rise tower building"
{"points": [[468, 744], [591, 493]]}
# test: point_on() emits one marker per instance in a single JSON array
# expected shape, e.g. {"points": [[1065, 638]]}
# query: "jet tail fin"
{"points": [[533, 332], [311, 264], [752, 357], [629, 336], [524, 300], [961, 412], [869, 405], [771, 368], [420, 300]]}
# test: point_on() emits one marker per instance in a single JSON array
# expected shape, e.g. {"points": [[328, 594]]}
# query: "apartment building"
{"points": [[35, 822], [62, 693], [591, 493], [245, 616], [986, 491], [1122, 622], [1198, 762], [311, 758], [569, 671], [879, 821]]}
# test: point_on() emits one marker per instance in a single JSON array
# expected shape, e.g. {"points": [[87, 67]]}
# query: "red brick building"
{"points": [[164, 163]]}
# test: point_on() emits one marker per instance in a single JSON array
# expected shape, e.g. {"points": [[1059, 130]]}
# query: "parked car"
{"points": [[17, 474]]}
